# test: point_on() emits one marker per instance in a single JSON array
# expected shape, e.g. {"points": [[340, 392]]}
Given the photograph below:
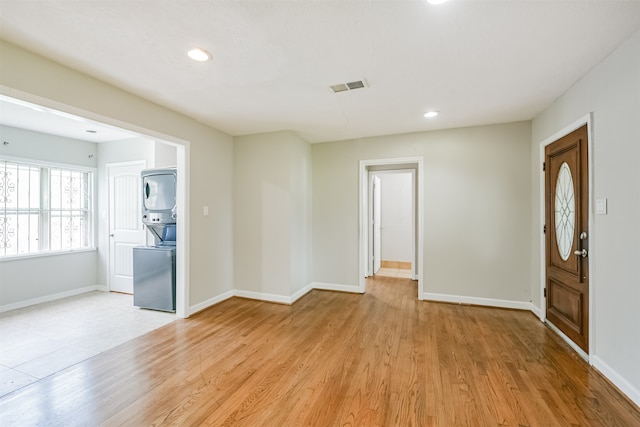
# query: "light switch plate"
{"points": [[601, 206], [205, 210]]}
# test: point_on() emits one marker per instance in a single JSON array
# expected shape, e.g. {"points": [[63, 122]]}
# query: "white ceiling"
{"points": [[25, 115], [476, 61]]}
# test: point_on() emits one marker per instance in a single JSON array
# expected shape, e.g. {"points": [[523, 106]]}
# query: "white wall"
{"points": [[49, 148], [29, 281], [396, 216], [611, 92], [36, 278], [164, 155], [29, 76], [272, 215], [477, 202], [300, 225]]}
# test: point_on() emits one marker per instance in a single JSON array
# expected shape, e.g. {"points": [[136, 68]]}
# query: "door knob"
{"points": [[583, 253]]}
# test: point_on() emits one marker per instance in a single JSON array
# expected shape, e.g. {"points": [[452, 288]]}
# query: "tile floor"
{"points": [[394, 272], [40, 340]]}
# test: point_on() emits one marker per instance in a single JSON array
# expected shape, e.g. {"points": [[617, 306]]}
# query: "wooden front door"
{"points": [[567, 236]]}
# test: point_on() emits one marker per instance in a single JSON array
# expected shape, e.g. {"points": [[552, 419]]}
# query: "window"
{"points": [[44, 208]]}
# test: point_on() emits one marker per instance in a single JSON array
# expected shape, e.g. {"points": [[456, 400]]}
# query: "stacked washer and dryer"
{"points": [[154, 267]]}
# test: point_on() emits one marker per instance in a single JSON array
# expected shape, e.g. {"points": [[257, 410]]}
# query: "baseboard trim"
{"points": [[617, 380], [580, 352], [488, 302], [52, 297], [536, 311], [302, 292], [280, 299], [336, 287], [211, 301], [261, 296]]}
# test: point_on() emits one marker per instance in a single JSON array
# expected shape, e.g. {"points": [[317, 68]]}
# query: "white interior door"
{"points": [[377, 230], [125, 223]]}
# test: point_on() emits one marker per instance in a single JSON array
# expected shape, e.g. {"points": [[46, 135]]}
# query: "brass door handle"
{"points": [[583, 253]]}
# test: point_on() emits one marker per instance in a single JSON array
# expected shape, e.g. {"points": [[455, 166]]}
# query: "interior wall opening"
{"points": [[370, 232], [392, 223], [168, 149]]}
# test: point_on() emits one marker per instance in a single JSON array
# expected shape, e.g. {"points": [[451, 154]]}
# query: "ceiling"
{"points": [[475, 61], [25, 115]]}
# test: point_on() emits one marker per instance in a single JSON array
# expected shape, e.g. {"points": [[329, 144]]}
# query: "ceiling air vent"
{"points": [[342, 87], [339, 88], [355, 85]]}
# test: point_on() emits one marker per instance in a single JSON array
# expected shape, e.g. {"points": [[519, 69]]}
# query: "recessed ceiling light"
{"points": [[199, 54], [431, 114], [436, 1]]}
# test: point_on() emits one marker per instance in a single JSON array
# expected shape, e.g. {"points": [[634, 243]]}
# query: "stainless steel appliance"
{"points": [[154, 267], [158, 199], [154, 277]]}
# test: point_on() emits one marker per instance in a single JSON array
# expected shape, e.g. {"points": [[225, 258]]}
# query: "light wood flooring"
{"points": [[394, 272], [332, 359]]}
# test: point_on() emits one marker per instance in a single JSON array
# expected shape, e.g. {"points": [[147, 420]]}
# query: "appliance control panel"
{"points": [[159, 218]]}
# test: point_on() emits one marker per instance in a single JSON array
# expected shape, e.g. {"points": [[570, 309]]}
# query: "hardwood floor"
{"points": [[332, 359]]}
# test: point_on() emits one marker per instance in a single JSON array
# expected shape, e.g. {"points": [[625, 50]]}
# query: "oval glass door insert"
{"points": [[565, 211]]}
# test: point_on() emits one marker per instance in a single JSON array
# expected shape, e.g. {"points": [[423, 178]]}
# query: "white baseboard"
{"points": [[211, 301], [335, 287], [535, 310], [489, 302], [302, 292], [580, 352], [251, 295], [281, 299], [618, 380], [52, 297], [261, 296]]}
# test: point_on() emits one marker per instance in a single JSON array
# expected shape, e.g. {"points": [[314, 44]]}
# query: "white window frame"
{"points": [[45, 210]]}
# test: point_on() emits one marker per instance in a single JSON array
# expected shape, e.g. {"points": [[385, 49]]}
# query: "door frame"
{"points": [[371, 205], [363, 215], [183, 155], [411, 172], [585, 120]]}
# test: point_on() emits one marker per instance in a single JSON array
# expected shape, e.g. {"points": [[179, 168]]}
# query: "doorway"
{"points": [[182, 165], [392, 219], [566, 300], [368, 169]]}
